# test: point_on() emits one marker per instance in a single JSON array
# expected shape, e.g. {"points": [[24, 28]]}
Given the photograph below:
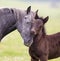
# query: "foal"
{"points": [[44, 46]]}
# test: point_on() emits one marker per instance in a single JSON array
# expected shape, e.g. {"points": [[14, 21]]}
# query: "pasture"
{"points": [[11, 46]]}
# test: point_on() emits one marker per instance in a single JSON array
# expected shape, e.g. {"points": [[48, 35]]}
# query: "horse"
{"points": [[12, 19], [44, 47]]}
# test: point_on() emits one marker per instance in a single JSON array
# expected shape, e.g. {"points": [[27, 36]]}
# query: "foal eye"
{"points": [[41, 26]]}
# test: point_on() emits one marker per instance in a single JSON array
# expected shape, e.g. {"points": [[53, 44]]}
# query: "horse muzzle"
{"points": [[28, 43]]}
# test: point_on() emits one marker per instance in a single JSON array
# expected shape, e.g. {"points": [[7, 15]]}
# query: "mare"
{"points": [[44, 47], [12, 19]]}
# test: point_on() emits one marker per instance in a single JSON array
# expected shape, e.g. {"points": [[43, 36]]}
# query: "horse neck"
{"points": [[11, 23], [19, 15], [10, 29]]}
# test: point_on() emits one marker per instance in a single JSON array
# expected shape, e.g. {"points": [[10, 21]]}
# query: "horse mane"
{"points": [[6, 10], [18, 13]]}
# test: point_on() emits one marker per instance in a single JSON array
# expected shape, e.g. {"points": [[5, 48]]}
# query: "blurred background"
{"points": [[11, 46]]}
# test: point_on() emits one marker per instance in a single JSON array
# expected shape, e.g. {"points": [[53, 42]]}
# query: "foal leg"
{"points": [[34, 59], [44, 58]]}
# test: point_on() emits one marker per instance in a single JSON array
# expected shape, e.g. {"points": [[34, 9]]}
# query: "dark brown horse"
{"points": [[44, 46]]}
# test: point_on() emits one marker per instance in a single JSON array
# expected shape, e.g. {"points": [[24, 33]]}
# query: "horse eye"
{"points": [[28, 22], [25, 17]]}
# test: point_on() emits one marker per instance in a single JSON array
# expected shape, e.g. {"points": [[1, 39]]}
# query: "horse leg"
{"points": [[44, 58], [34, 59]]}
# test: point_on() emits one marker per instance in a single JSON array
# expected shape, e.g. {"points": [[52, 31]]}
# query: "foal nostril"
{"points": [[33, 32]]}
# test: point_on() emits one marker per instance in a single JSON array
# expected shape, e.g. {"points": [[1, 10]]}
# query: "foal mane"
{"points": [[43, 27], [43, 31]]}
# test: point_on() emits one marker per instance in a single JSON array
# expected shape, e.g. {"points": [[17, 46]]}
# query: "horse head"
{"points": [[24, 26]]}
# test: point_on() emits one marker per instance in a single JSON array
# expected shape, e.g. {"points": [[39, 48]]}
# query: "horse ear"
{"points": [[28, 9], [36, 16], [45, 19]]}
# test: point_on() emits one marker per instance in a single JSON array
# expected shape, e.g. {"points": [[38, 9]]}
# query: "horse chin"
{"points": [[29, 43]]}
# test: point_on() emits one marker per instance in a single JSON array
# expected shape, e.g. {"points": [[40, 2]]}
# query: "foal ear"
{"points": [[45, 19], [28, 9], [36, 16]]}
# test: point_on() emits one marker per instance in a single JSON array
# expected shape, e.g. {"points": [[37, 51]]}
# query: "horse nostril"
{"points": [[28, 43]]}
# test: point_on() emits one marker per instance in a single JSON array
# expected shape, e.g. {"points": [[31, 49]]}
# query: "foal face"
{"points": [[36, 26]]}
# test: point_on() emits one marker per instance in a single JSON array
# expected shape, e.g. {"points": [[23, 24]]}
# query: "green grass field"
{"points": [[11, 46]]}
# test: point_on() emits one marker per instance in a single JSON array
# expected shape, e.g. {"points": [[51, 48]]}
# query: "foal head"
{"points": [[38, 25]]}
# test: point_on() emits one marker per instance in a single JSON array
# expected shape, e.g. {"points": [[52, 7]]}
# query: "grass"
{"points": [[11, 46]]}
